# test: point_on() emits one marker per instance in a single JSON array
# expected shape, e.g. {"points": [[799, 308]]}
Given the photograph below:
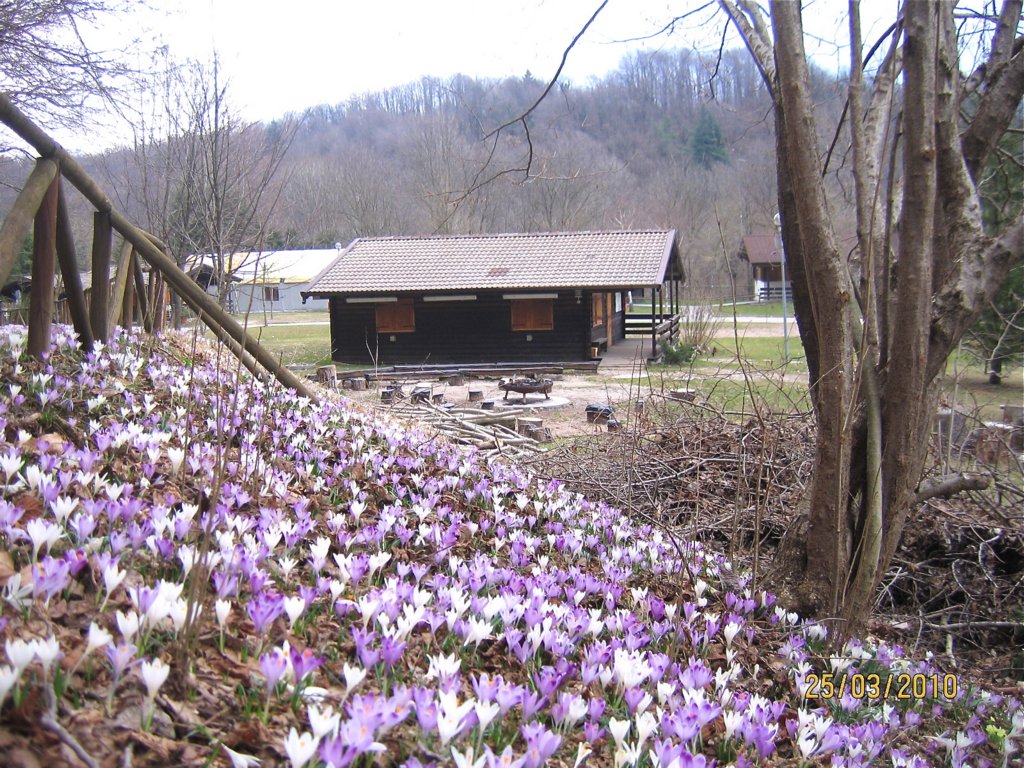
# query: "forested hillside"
{"points": [[669, 139]]}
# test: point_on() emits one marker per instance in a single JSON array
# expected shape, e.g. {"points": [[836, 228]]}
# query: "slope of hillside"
{"points": [[200, 569]]}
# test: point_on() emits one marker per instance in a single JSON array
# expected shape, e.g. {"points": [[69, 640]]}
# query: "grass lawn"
{"points": [[756, 309], [296, 344], [256, 318], [726, 309], [761, 351]]}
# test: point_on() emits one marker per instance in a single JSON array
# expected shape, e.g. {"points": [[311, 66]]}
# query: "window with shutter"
{"points": [[396, 317], [533, 315]]}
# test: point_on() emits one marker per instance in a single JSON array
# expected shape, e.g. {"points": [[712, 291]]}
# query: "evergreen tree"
{"points": [[707, 146]]}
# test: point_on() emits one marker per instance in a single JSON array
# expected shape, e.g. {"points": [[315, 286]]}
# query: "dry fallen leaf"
{"points": [[6, 567]]}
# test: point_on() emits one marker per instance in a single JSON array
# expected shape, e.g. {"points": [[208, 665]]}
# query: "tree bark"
{"points": [[923, 266]]}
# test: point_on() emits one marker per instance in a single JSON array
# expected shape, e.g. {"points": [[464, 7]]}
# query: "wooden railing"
{"points": [[666, 327], [116, 298]]}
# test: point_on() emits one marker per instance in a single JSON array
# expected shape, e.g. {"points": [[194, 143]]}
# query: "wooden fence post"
{"points": [[16, 226], [158, 294], [102, 242], [141, 299], [128, 299], [69, 271], [116, 308], [220, 322], [44, 262]]}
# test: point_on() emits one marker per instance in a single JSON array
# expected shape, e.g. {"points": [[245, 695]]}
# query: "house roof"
{"points": [[550, 260], [291, 267], [260, 267], [761, 249]]}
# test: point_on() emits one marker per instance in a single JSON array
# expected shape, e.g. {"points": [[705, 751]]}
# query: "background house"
{"points": [[265, 282], [763, 253], [273, 281], [486, 298]]}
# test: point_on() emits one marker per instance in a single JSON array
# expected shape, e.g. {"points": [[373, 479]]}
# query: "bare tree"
{"points": [[228, 168], [201, 179], [46, 62], [878, 324]]}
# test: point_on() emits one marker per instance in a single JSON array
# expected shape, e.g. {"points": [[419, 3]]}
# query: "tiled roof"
{"points": [[761, 249], [622, 259]]}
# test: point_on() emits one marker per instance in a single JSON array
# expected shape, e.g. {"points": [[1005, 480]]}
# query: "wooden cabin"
{"points": [[763, 253], [537, 297]]}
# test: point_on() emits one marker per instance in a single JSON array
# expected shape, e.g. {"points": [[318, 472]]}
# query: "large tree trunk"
{"points": [[877, 329]]}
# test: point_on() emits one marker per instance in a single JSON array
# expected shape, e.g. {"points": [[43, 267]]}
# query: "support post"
{"points": [[44, 264], [654, 325], [102, 243], [159, 301], [16, 226], [116, 308], [68, 262], [128, 300], [140, 296]]}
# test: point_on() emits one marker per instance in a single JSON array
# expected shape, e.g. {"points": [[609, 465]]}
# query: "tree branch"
{"points": [[949, 485], [995, 111], [755, 37]]}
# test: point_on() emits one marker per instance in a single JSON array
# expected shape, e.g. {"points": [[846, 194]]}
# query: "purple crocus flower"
{"points": [[532, 703], [263, 608], [426, 708], [49, 577], [120, 657], [593, 732], [305, 663], [273, 665], [391, 650], [540, 744], [335, 753]]}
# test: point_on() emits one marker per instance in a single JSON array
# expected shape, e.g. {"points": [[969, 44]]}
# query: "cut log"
{"points": [[528, 423], [328, 376]]}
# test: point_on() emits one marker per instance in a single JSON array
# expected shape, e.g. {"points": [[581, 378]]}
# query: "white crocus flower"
{"points": [[353, 676], [465, 759], [646, 724], [618, 729], [98, 637], [323, 721], [154, 674], [8, 677], [177, 458], [300, 748], [20, 653], [486, 711], [294, 606], [128, 624], [223, 609], [238, 760]]}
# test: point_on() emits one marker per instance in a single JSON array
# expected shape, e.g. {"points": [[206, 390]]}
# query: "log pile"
{"points": [[494, 434]]}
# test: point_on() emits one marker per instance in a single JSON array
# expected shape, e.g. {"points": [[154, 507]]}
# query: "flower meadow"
{"points": [[199, 568]]}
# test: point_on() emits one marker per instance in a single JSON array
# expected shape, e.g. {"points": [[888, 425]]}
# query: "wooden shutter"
{"points": [[533, 315], [396, 317]]}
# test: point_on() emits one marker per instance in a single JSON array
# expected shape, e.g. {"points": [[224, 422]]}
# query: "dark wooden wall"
{"points": [[461, 332]]}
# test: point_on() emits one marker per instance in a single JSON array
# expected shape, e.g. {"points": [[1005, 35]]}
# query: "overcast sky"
{"points": [[286, 55]]}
